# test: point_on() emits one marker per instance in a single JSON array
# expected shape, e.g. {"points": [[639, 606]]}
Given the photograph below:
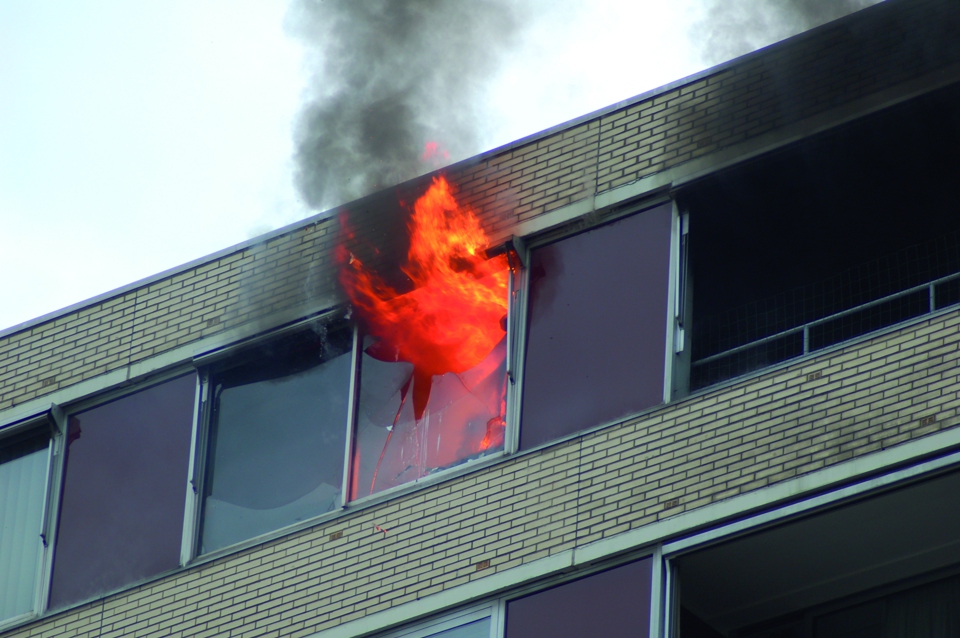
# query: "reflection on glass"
{"points": [[121, 509], [277, 437], [476, 629], [463, 420], [596, 339], [614, 604], [23, 471]]}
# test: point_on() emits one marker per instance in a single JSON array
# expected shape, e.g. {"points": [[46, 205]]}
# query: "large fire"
{"points": [[455, 315]]}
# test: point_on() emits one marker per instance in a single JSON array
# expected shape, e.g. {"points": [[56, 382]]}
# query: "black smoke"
{"points": [[734, 27], [390, 76]]}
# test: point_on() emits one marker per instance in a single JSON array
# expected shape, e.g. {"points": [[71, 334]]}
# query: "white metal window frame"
{"points": [[496, 608], [459, 618], [526, 245], [190, 546]]}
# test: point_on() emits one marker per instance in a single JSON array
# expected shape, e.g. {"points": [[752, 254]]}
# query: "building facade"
{"points": [[722, 401]]}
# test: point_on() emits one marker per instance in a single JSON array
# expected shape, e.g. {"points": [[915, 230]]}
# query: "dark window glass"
{"points": [[125, 481], [597, 326], [277, 436], [612, 604]]}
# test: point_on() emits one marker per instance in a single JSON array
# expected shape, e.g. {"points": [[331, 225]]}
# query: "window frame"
{"points": [[516, 309], [58, 416], [200, 439], [676, 347], [661, 586], [35, 425], [451, 620]]}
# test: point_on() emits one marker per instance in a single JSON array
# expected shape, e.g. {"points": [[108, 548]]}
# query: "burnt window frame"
{"points": [[676, 350]]}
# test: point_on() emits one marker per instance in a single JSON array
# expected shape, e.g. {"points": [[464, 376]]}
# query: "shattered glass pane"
{"points": [[277, 436], [462, 420]]}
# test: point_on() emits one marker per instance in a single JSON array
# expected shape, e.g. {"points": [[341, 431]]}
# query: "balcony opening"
{"points": [[839, 235], [887, 565]]}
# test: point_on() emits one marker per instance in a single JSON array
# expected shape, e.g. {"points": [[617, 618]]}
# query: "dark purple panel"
{"points": [[597, 331], [612, 604], [121, 511]]}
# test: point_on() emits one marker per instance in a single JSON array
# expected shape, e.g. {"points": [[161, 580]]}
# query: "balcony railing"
{"points": [[826, 331]]}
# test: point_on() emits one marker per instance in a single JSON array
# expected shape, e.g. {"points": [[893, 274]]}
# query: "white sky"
{"points": [[136, 136]]}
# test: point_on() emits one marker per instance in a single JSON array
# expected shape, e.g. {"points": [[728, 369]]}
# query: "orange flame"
{"points": [[455, 314]]}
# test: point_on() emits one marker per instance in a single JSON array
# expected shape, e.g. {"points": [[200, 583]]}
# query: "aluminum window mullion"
{"points": [[58, 453], [518, 325], [198, 465], [354, 398], [498, 619], [191, 509], [673, 276], [656, 593]]}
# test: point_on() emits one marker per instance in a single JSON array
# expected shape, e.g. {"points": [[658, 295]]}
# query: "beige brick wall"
{"points": [[869, 396]]}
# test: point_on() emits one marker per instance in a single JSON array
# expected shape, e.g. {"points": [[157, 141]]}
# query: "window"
{"points": [[597, 327], [463, 419], [614, 603], [278, 431], [24, 462], [124, 491]]}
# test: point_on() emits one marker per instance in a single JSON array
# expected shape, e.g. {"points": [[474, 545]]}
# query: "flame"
{"points": [[455, 315]]}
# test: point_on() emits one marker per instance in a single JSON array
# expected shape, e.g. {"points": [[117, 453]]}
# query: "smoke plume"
{"points": [[735, 27], [390, 77]]}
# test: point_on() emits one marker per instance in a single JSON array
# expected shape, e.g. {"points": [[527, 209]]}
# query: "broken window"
{"points": [[24, 460], [123, 495], [461, 419], [278, 424], [614, 603], [596, 341], [433, 370]]}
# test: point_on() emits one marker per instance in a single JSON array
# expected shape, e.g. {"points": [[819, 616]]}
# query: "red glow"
{"points": [[434, 154], [454, 316]]}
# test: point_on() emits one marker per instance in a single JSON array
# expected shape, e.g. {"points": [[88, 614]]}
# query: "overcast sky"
{"points": [[136, 136]]}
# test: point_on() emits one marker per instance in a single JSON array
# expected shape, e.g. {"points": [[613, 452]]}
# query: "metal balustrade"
{"points": [[826, 331]]}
